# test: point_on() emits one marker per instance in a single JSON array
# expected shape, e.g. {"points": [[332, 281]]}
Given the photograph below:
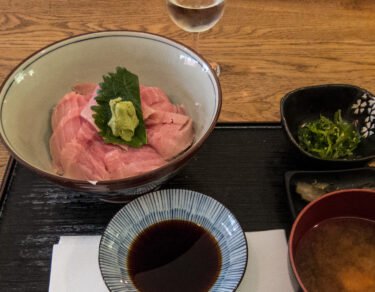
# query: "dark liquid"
{"points": [[338, 255], [176, 256]]}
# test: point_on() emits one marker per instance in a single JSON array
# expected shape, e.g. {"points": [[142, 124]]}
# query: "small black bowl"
{"points": [[357, 105]]}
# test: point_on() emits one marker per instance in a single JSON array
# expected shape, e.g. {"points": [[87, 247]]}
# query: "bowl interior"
{"points": [[346, 203], [309, 103], [168, 205], [33, 89]]}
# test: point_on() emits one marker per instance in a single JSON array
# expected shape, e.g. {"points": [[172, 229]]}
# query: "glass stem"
{"points": [[196, 41]]}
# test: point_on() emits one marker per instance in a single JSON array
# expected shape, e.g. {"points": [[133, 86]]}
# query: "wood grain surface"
{"points": [[265, 48], [4, 156]]}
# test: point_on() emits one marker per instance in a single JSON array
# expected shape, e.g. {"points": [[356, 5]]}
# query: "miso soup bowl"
{"points": [[172, 204], [358, 203], [31, 91]]}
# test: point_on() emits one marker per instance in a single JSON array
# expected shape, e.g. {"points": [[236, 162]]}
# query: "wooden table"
{"points": [[265, 48]]}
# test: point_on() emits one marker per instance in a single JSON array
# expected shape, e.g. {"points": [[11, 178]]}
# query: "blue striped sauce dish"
{"points": [[166, 205]]}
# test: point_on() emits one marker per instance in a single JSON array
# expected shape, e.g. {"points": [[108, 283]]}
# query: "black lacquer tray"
{"points": [[242, 166]]}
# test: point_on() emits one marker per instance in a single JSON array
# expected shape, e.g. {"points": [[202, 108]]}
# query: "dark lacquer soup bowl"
{"points": [[33, 89], [331, 245]]}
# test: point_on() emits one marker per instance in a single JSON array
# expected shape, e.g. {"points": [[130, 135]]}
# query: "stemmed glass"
{"points": [[196, 16]]}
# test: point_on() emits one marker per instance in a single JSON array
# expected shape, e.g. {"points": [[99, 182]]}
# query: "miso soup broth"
{"points": [[338, 255]]}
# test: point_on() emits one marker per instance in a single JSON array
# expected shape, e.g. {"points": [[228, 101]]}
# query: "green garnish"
{"points": [[124, 85], [124, 118], [329, 139]]}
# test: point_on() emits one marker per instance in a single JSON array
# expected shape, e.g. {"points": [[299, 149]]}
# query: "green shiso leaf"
{"points": [[122, 84], [329, 139]]}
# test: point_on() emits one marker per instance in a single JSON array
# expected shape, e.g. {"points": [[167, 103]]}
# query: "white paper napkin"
{"points": [[75, 265], [267, 266]]}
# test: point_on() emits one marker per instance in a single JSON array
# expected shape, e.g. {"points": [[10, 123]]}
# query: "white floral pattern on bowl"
{"points": [[365, 108]]}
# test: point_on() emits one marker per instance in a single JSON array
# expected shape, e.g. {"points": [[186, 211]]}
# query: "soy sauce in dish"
{"points": [[174, 255]]}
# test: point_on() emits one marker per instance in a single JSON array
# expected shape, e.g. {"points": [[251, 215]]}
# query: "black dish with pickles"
{"points": [[333, 122]]}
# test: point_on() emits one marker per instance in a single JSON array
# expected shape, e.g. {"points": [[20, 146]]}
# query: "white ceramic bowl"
{"points": [[29, 94]]}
